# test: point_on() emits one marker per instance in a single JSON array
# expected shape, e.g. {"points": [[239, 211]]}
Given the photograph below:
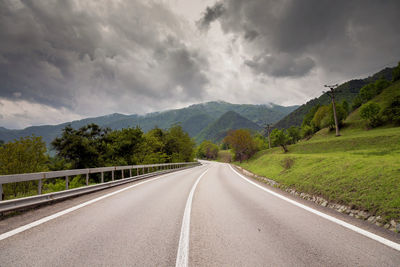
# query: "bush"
{"points": [[370, 112], [306, 131], [392, 112]]}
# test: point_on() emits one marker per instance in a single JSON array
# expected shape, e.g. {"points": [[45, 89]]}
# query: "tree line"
{"points": [[88, 147]]}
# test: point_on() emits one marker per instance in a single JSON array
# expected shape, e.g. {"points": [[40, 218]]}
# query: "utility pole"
{"points": [[268, 128], [331, 94]]}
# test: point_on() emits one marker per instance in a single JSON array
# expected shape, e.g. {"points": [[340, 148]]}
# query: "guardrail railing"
{"points": [[39, 176]]}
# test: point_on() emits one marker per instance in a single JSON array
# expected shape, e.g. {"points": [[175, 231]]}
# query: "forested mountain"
{"points": [[346, 91], [193, 119], [230, 120]]}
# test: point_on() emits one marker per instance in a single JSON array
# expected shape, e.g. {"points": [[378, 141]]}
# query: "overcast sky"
{"points": [[65, 60]]}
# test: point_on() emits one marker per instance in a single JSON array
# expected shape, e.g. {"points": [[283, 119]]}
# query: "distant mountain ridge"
{"points": [[230, 120], [346, 91], [193, 119]]}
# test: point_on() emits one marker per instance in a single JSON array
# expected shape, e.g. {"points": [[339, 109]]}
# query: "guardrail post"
{"points": [[130, 172], [40, 187], [102, 177], [1, 192], [87, 178], [112, 175], [66, 182], [122, 174]]}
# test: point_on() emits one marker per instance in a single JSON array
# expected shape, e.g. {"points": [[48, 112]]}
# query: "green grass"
{"points": [[351, 171], [361, 168]]}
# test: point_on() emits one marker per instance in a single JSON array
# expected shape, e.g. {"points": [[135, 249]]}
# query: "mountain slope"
{"points": [[347, 91], [193, 119], [231, 120]]}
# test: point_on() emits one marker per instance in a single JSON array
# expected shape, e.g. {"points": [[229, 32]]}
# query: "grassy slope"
{"points": [[360, 168]]}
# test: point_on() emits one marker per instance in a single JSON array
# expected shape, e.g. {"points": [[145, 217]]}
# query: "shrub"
{"points": [[370, 112]]}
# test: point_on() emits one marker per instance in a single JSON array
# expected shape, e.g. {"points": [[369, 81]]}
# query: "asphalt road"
{"points": [[232, 223]]}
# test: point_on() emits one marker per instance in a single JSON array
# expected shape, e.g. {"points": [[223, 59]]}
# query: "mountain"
{"points": [[193, 119], [230, 120], [346, 91]]}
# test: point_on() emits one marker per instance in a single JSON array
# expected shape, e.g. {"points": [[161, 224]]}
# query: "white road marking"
{"points": [[182, 258], [63, 212], [363, 232]]}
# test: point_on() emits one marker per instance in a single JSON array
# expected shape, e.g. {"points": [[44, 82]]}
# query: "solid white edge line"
{"points": [[182, 257], [63, 212], [363, 232]]}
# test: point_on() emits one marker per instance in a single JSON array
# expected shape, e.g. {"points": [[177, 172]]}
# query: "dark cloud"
{"points": [[281, 65], [342, 36], [58, 52], [211, 14]]}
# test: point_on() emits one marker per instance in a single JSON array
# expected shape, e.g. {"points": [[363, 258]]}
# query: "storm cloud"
{"points": [[293, 37], [56, 52]]}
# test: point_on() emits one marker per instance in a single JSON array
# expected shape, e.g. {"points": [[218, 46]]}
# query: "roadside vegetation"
{"points": [[361, 168], [88, 147]]}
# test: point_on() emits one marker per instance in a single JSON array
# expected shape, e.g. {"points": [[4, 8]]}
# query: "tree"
{"points": [[294, 134], [392, 112], [81, 147], [370, 112], [310, 115], [316, 122], [26, 155], [207, 150], [241, 143], [179, 146], [280, 138]]}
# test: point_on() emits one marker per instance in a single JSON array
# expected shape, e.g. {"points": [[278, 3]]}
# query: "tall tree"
{"points": [[241, 143]]}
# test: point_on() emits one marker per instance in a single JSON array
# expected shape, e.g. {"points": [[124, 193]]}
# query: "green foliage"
{"points": [[346, 107], [392, 112], [360, 169], [294, 134], [316, 122], [347, 91], [306, 131], [207, 150], [369, 91], [310, 115], [179, 146], [396, 73], [242, 144], [25, 155], [81, 147], [280, 138], [370, 112]]}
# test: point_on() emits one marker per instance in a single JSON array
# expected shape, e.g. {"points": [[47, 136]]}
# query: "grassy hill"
{"points": [[231, 120], [193, 119], [361, 168], [346, 91]]}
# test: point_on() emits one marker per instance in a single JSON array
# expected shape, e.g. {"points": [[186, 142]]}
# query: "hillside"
{"points": [[346, 91], [359, 169], [231, 120], [193, 119]]}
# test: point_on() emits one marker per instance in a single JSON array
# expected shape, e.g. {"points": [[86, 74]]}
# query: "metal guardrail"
{"points": [[13, 204]]}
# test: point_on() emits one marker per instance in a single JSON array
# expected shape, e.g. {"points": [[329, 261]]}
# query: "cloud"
{"points": [[281, 65], [344, 37], [211, 14], [58, 53]]}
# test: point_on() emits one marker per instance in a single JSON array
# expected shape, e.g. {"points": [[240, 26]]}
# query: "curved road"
{"points": [[204, 216]]}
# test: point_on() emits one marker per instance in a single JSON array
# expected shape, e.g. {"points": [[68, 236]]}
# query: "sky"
{"points": [[66, 60]]}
